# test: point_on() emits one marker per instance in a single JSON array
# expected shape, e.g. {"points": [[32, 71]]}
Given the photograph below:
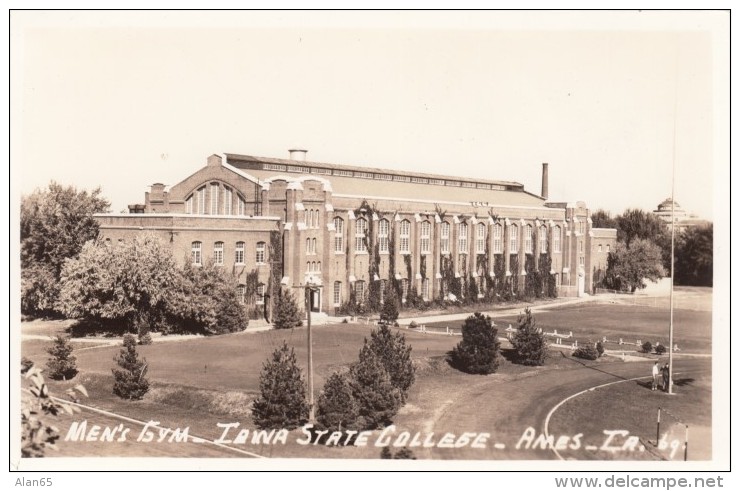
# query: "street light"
{"points": [[310, 286]]}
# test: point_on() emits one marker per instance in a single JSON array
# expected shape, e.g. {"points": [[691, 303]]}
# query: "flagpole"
{"points": [[673, 241]]}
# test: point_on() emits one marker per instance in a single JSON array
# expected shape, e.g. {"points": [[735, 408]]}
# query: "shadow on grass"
{"points": [[584, 364]]}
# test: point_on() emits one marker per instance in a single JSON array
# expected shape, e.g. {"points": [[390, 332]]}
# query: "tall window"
{"points": [[528, 239], [426, 237], [360, 229], [227, 201], [337, 293], [580, 246], [404, 236], [214, 199], [462, 239], [189, 205], [543, 240], [202, 201], [241, 293], [425, 289], [239, 253], [513, 239], [218, 253], [195, 252], [260, 294], [404, 289], [338, 235], [480, 238], [581, 226], [556, 236], [382, 290], [242, 207], [383, 227], [311, 246], [360, 291], [498, 243], [316, 219], [608, 248], [444, 237], [260, 253]]}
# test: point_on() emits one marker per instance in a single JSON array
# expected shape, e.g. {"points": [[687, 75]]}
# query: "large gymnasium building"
{"points": [[348, 230]]}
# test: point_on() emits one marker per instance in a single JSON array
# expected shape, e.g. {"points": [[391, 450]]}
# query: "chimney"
{"points": [[544, 180], [298, 154]]}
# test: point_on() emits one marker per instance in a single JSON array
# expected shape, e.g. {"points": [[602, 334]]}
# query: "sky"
{"points": [[124, 100]]}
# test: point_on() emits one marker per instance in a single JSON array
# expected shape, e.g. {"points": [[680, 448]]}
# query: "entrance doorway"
{"points": [[315, 299]]}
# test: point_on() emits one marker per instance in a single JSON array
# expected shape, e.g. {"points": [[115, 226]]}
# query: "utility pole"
{"points": [[307, 295]]}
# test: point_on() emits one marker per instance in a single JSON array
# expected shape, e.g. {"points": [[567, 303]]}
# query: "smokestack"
{"points": [[298, 154], [544, 180]]}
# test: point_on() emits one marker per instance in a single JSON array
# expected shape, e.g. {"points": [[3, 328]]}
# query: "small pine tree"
{"points": [[395, 355], [287, 315], [478, 352], [129, 381], [647, 347], [62, 365], [660, 349], [337, 409], [282, 402], [389, 312], [529, 341], [377, 398]]}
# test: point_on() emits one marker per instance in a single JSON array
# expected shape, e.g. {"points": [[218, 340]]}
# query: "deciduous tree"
{"points": [[694, 256], [630, 265]]}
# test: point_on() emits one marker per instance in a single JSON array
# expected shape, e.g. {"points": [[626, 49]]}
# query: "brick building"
{"points": [[353, 230]]}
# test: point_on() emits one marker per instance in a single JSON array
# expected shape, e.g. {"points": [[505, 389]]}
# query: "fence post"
{"points": [[657, 435], [686, 445]]}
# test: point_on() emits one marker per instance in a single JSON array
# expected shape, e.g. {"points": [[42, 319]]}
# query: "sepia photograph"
{"points": [[386, 240]]}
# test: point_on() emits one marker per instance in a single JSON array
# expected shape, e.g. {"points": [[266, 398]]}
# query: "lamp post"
{"points": [[310, 287]]}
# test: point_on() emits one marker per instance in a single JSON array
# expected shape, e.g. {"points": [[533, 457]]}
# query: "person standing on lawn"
{"points": [[656, 375], [666, 371]]}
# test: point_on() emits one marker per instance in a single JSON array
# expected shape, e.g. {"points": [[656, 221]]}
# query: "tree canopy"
{"points": [[630, 265], [694, 256]]}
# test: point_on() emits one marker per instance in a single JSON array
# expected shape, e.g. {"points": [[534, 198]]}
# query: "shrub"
{"points": [[129, 381], [282, 402], [62, 365], [404, 453], [378, 400], [337, 409], [395, 355], [529, 341], [647, 347], [587, 352], [413, 325], [145, 338], [287, 315], [389, 312], [478, 352], [660, 349], [600, 348]]}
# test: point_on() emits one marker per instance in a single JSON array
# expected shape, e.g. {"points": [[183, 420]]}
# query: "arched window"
{"points": [[228, 196], [608, 248], [214, 199], [260, 253], [462, 238], [308, 266], [337, 293], [528, 239], [189, 205], [313, 266], [444, 238], [426, 237], [498, 243], [338, 235], [218, 253], [202, 201], [513, 239], [239, 253], [543, 240], [383, 227], [556, 237], [480, 239], [404, 236], [195, 252], [360, 229], [318, 267], [242, 210]]}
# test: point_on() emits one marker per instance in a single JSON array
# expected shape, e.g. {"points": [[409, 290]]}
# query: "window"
{"points": [[498, 245], [189, 205], [528, 239], [260, 294], [195, 250], [338, 235], [227, 201], [383, 227], [580, 246], [556, 239], [425, 289], [513, 239], [444, 238], [382, 290], [337, 293], [260, 253], [360, 291], [311, 246], [308, 266], [608, 248], [218, 253], [239, 253], [543, 240], [318, 267], [462, 239], [581, 260], [241, 293], [600, 248], [360, 229], [426, 237], [581, 226], [242, 210], [202, 201], [214, 199], [404, 235], [404, 289], [316, 219], [480, 238]]}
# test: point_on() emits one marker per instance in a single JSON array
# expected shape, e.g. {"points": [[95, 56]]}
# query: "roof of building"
{"points": [[376, 182]]}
